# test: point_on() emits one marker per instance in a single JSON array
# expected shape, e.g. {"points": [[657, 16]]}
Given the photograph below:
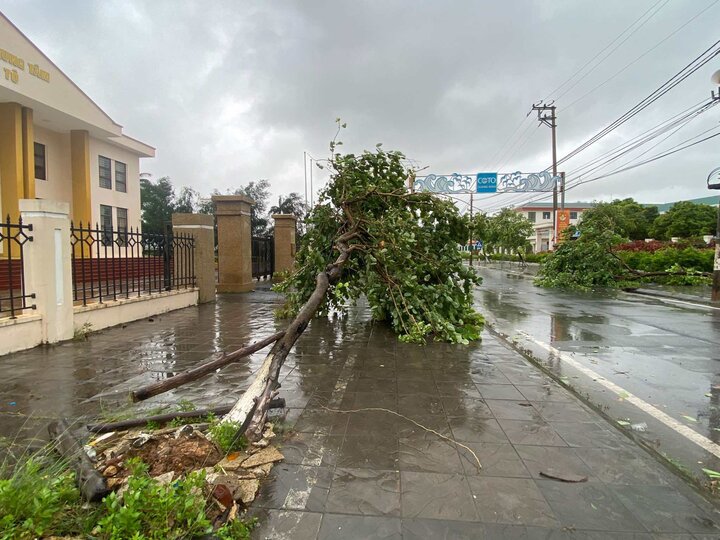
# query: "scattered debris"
{"points": [[232, 480], [689, 418], [640, 426], [563, 477]]}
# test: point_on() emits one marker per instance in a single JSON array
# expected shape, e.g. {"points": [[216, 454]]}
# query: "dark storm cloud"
{"points": [[230, 92]]}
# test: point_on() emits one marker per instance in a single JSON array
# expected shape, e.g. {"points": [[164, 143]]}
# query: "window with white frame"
{"points": [[120, 176], [105, 170]]}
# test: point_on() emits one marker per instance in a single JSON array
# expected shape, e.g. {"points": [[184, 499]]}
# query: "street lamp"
{"points": [[713, 182]]}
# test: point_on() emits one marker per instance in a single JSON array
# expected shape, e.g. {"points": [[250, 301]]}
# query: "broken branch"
{"points": [[189, 375]]}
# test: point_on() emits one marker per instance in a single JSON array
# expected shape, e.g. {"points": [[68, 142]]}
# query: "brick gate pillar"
{"points": [[284, 241], [234, 243], [201, 227]]}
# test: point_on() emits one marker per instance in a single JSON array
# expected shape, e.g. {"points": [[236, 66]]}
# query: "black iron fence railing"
{"points": [[263, 257], [109, 264], [13, 296]]}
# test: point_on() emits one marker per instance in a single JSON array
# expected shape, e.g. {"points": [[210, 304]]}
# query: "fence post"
{"points": [[48, 272], [167, 248], [285, 227], [234, 243], [201, 228]]}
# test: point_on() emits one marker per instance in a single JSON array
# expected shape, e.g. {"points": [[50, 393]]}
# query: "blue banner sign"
{"points": [[486, 182]]}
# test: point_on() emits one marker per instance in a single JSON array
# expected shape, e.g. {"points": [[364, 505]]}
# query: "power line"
{"points": [[614, 49], [654, 96], [601, 51], [623, 69]]}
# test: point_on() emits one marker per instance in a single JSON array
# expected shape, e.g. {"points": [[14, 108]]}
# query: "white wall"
{"points": [[58, 186], [112, 197]]}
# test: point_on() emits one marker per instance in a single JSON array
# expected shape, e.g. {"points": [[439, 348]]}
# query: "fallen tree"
{"points": [[369, 235], [591, 262]]}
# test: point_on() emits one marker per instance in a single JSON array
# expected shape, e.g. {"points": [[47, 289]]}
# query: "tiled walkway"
{"points": [[371, 474]]}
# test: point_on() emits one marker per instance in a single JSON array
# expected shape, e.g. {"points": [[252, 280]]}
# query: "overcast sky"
{"points": [[230, 92]]}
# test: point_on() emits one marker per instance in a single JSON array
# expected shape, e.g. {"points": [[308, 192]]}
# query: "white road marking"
{"points": [[656, 413], [297, 499], [673, 301]]}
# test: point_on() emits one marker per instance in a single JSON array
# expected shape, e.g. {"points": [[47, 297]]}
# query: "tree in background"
{"points": [[508, 230], [511, 230], [686, 220], [295, 205], [626, 217], [157, 203], [260, 193]]}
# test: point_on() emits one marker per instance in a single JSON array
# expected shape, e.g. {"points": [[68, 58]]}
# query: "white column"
{"points": [[47, 266]]}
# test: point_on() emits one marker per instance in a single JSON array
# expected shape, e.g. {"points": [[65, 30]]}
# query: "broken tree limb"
{"points": [[195, 373], [91, 483], [277, 403], [250, 412]]}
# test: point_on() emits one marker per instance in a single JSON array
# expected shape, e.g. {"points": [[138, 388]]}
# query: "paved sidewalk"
{"points": [[370, 474]]}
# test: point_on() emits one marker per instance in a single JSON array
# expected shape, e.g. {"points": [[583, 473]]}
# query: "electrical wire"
{"points": [[611, 52], [654, 96], [602, 51], [623, 69]]}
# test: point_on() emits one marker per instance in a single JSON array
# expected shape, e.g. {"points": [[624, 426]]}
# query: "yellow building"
{"points": [[56, 143]]}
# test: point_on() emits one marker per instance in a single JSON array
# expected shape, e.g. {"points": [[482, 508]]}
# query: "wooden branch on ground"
{"points": [[121, 425], [637, 274], [91, 483], [195, 373], [250, 412]]}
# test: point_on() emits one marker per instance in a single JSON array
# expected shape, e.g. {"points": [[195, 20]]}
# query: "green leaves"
{"points": [[404, 258]]}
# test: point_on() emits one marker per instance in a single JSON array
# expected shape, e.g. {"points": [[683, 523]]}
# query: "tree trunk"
{"points": [[90, 481], [250, 412], [221, 360]]}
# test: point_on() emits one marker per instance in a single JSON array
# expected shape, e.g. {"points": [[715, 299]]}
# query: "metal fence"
{"points": [[13, 296], [263, 257], [109, 264]]}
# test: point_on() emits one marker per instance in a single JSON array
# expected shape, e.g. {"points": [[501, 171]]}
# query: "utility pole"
{"points": [[550, 121], [305, 171], [713, 182], [471, 235], [716, 267]]}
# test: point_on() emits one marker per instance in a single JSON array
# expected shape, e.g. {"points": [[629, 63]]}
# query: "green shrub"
{"points": [[227, 436], [152, 510], [39, 499], [689, 258]]}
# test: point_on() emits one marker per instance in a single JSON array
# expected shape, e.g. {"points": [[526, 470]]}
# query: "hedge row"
{"points": [[662, 259]]}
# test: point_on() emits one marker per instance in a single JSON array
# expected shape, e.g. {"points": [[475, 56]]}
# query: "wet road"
{"points": [[666, 354]]}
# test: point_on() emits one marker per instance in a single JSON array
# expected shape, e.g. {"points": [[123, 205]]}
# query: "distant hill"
{"points": [[664, 207]]}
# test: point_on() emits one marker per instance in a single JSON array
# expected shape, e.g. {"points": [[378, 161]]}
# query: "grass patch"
{"points": [[39, 498], [227, 436]]}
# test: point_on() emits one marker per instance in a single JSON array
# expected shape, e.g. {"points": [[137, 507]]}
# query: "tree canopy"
{"points": [[685, 219], [157, 203], [507, 230], [626, 218], [404, 257]]}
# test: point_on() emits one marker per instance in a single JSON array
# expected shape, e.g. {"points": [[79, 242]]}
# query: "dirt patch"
{"points": [[181, 455]]}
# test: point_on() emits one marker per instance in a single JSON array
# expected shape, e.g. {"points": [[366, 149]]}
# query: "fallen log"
{"points": [[250, 411], [221, 360], [91, 483], [278, 403]]}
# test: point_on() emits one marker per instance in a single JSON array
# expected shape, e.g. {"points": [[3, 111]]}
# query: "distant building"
{"points": [[56, 143], [540, 215]]}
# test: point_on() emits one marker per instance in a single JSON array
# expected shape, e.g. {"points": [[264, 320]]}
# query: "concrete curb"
{"points": [[662, 294], [692, 481]]}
